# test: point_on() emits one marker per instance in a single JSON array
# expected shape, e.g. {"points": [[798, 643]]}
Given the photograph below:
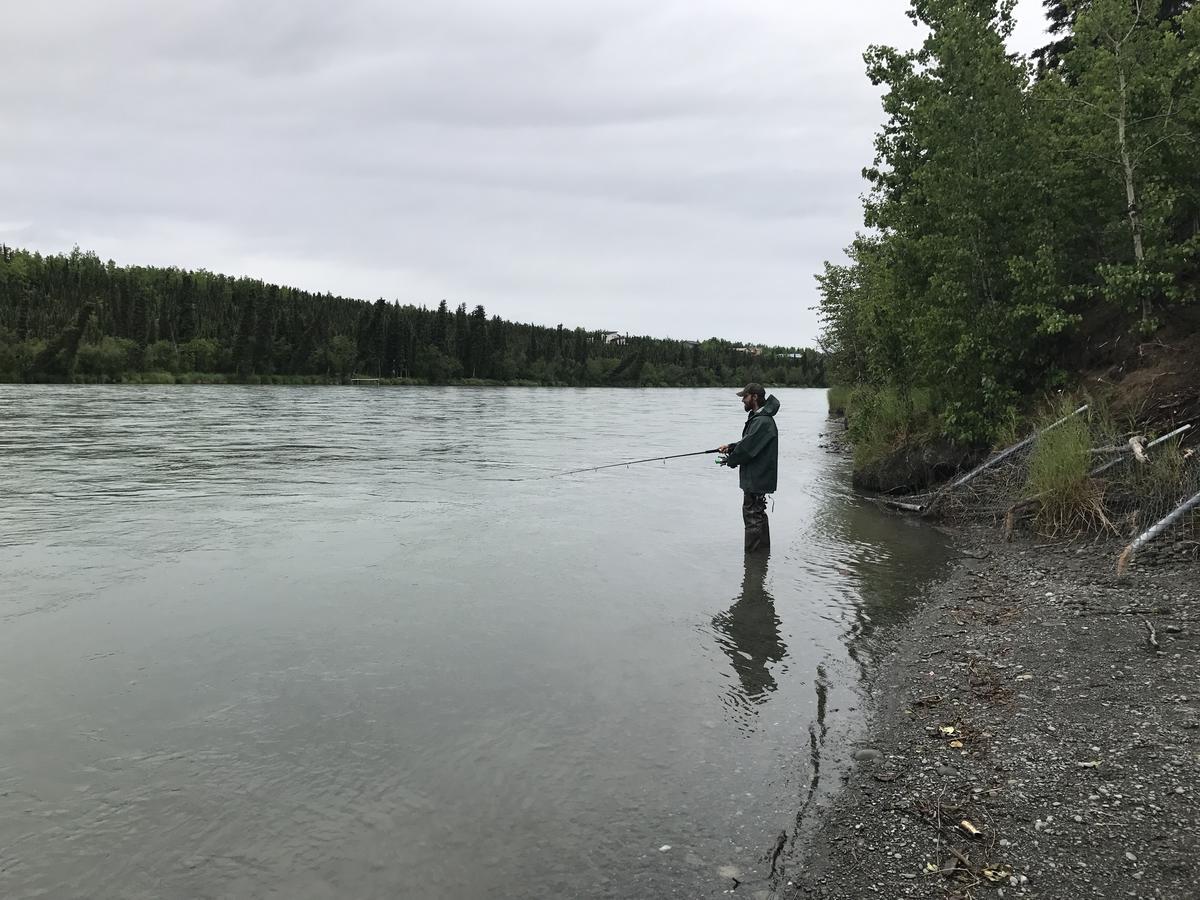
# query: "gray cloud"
{"points": [[673, 168]]}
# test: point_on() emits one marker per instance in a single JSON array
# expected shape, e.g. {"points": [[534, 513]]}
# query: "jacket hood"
{"points": [[769, 408]]}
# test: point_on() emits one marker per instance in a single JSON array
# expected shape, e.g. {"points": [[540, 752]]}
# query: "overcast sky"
{"points": [[669, 167]]}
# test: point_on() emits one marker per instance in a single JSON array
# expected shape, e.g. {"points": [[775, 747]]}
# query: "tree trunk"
{"points": [[1135, 218]]}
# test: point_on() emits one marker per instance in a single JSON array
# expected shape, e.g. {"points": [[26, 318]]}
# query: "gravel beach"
{"points": [[1035, 733]]}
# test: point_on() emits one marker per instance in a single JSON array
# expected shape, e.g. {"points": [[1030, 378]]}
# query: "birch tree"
{"points": [[1129, 82]]}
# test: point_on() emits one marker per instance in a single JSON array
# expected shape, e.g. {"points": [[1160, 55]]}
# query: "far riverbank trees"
{"points": [[75, 318]]}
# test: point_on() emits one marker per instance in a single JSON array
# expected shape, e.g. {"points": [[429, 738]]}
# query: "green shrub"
{"points": [[17, 359], [201, 378], [200, 355], [161, 356], [106, 359], [154, 378]]}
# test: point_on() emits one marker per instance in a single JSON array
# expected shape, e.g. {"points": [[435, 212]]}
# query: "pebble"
{"points": [[867, 755]]}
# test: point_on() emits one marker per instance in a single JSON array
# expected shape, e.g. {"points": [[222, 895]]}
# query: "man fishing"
{"points": [[757, 456]]}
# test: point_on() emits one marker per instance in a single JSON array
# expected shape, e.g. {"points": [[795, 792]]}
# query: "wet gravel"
{"points": [[1029, 740]]}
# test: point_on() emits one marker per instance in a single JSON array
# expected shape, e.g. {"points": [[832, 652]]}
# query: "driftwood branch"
{"points": [[1139, 452], [1153, 638]]}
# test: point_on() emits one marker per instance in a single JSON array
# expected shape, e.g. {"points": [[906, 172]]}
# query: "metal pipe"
{"points": [[1155, 530], [983, 467], [1120, 459]]}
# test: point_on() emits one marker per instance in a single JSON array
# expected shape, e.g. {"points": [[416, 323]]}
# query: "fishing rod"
{"points": [[635, 462]]}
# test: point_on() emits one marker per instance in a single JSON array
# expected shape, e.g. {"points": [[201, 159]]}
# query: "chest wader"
{"points": [[758, 529]]}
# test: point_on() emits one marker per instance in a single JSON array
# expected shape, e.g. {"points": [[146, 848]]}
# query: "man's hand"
{"points": [[724, 448]]}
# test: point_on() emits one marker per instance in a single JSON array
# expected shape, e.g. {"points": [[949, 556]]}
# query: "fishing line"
{"points": [[633, 462]]}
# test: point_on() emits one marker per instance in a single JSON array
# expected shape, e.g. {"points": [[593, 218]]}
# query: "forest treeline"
{"points": [[1021, 212], [76, 318]]}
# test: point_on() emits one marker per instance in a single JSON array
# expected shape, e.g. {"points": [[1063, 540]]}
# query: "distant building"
{"points": [[750, 349], [613, 337]]}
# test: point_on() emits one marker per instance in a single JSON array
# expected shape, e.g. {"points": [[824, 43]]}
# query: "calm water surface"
{"points": [[352, 643]]}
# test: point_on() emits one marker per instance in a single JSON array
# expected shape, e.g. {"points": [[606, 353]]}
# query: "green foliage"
{"points": [[1124, 115], [17, 359], [201, 355], [153, 378], [1003, 212], [161, 356], [341, 355], [934, 297], [1063, 16], [200, 378], [107, 359], [147, 323]]}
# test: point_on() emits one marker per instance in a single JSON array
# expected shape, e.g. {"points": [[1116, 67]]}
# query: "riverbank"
{"points": [[1027, 737]]}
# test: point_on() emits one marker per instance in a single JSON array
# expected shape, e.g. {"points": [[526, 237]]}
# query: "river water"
{"points": [[323, 642]]}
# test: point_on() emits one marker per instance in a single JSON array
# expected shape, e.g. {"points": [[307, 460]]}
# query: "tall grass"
{"points": [[838, 395], [883, 419], [1069, 498], [1149, 490]]}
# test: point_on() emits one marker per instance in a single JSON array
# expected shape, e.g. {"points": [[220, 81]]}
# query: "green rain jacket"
{"points": [[757, 453]]}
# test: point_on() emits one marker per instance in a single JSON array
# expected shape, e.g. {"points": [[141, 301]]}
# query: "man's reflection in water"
{"points": [[748, 633]]}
